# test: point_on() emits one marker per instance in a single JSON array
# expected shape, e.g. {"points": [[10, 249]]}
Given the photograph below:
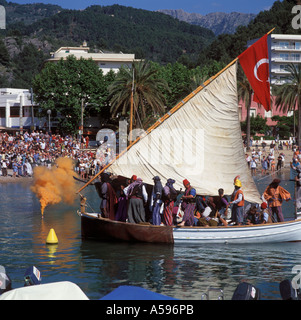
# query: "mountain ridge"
{"points": [[218, 22]]}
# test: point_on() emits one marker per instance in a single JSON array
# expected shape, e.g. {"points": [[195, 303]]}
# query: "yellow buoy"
{"points": [[52, 238]]}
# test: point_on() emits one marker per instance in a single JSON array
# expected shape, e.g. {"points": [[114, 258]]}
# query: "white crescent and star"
{"points": [[258, 64]]}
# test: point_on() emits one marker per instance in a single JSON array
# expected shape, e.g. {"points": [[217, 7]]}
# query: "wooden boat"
{"points": [[97, 228], [199, 140]]}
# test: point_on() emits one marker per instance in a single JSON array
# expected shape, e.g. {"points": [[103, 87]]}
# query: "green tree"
{"points": [[257, 125], [106, 116], [285, 126], [147, 87], [26, 65], [200, 75], [178, 78], [288, 95], [4, 55], [67, 86]]}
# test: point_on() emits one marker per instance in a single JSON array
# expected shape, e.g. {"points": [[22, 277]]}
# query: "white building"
{"points": [[105, 61], [14, 102], [285, 49]]}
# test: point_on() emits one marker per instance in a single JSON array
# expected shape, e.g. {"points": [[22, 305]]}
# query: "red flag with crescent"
{"points": [[255, 63]]}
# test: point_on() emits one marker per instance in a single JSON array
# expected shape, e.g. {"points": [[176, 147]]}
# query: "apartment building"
{"points": [[105, 61], [284, 49]]}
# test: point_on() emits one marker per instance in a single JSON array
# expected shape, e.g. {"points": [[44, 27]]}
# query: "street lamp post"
{"points": [[81, 127], [49, 113]]}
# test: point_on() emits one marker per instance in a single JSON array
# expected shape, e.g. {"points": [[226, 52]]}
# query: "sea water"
{"points": [[99, 267]]}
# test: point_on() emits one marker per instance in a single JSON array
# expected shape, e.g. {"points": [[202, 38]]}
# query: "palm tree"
{"points": [[288, 95], [245, 92], [147, 89]]}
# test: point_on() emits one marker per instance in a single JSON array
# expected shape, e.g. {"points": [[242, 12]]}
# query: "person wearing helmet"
{"points": [[237, 200]]}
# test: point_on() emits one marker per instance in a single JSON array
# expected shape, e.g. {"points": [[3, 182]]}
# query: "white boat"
{"points": [[266, 233], [97, 228], [63, 290]]}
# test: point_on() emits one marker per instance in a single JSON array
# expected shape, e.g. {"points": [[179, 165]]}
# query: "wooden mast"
{"points": [[132, 109]]}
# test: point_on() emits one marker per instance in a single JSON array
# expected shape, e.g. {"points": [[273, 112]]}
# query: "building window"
{"points": [[15, 112], [297, 45], [284, 56], [268, 114], [283, 67], [253, 112], [283, 80], [283, 45], [296, 56]]}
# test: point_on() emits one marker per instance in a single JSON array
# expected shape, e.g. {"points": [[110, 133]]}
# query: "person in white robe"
{"points": [[28, 168]]}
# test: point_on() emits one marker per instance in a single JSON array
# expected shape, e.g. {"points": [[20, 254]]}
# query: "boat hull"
{"points": [[265, 233], [95, 227]]}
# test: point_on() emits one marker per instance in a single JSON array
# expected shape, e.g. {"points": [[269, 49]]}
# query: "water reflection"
{"points": [[186, 273]]}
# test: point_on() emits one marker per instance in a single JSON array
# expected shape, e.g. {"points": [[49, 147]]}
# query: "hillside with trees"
{"points": [[150, 35], [28, 13]]}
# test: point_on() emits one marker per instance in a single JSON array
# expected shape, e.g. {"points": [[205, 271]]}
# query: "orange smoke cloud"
{"points": [[56, 184]]}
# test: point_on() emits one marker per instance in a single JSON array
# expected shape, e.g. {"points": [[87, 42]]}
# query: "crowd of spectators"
{"points": [[21, 152]]}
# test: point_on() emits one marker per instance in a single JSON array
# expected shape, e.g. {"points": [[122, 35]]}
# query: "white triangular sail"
{"points": [[200, 141]]}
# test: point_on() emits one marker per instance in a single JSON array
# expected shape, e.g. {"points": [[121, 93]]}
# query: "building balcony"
{"points": [[286, 60], [286, 48], [278, 82], [280, 71]]}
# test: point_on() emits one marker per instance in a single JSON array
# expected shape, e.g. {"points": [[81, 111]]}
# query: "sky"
{"points": [[192, 6]]}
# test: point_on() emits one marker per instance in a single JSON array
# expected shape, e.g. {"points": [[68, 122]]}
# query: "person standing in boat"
{"points": [[137, 198], [133, 179], [188, 204], [169, 197], [108, 196], [121, 212], [222, 204], [156, 201], [237, 200], [274, 195]]}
